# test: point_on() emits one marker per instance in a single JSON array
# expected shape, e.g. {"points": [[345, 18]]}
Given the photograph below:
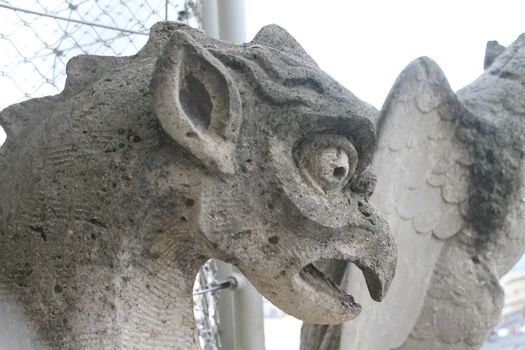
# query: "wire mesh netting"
{"points": [[205, 307], [38, 39]]}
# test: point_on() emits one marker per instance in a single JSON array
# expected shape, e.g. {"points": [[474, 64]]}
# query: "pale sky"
{"points": [[366, 44]]}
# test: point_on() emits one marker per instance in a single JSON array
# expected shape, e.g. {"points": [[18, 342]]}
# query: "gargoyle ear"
{"points": [[197, 102]]}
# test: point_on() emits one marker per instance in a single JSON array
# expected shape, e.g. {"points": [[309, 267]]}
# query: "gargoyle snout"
{"points": [[370, 245]]}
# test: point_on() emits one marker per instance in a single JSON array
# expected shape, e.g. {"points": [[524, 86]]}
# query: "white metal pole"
{"points": [[232, 21], [210, 18], [240, 310]]}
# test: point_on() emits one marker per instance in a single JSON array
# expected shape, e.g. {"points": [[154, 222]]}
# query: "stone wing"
{"points": [[422, 168], [422, 189], [464, 299]]}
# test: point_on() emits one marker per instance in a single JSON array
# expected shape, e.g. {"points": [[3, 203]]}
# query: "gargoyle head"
{"points": [[115, 191], [284, 153]]}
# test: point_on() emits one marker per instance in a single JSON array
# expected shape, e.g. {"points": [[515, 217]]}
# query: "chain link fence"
{"points": [[38, 39], [205, 307], [36, 42]]}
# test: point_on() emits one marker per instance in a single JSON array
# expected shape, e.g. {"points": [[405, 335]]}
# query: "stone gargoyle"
{"points": [[451, 183], [117, 190]]}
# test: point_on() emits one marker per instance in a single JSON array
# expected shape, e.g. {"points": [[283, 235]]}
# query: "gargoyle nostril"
{"points": [[273, 240], [365, 183]]}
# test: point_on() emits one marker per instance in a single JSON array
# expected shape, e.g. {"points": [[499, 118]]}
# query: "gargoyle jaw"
{"points": [[331, 283], [320, 281], [317, 279]]}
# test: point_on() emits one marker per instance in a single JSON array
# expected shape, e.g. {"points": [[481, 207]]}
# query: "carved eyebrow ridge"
{"points": [[273, 85]]}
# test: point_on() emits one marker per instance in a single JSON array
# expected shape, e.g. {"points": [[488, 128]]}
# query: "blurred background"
{"points": [[364, 45]]}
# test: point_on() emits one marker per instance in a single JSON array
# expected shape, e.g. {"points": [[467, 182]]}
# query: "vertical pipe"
{"points": [[226, 308], [240, 310], [210, 18], [166, 10], [232, 21], [248, 314]]}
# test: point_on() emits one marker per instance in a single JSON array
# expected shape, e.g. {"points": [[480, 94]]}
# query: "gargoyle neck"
{"points": [[98, 287]]}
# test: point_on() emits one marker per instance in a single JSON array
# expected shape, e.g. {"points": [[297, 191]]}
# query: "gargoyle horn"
{"points": [[277, 38]]}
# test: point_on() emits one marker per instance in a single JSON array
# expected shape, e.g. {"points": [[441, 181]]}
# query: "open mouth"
{"points": [[329, 282]]}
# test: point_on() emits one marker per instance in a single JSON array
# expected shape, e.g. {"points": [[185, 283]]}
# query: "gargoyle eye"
{"points": [[328, 162]]}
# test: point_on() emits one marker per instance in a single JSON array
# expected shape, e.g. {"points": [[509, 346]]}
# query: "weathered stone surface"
{"points": [[115, 191], [492, 51], [451, 184]]}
